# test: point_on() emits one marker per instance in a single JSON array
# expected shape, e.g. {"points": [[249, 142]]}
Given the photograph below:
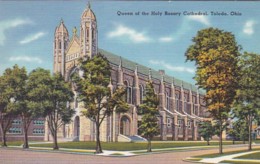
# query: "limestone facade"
{"points": [[181, 104]]}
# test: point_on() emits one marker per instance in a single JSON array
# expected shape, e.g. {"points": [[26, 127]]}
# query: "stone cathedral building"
{"points": [[181, 104]]}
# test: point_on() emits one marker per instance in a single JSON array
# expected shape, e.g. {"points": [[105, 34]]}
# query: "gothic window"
{"points": [[185, 104], [169, 122], [128, 93], [141, 93], [189, 124], [59, 44], [179, 123], [194, 100], [87, 30], [167, 101], [177, 102]]}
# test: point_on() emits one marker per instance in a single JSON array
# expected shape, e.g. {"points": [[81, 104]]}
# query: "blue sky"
{"points": [[27, 30]]}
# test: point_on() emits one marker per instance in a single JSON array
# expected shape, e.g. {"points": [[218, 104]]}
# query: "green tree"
{"points": [[30, 106], [216, 53], [57, 105], [149, 123], [247, 102], [93, 89], [206, 130], [12, 84], [238, 131]]}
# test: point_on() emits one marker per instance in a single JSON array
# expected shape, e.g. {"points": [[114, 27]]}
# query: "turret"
{"points": [[60, 44], [88, 33]]}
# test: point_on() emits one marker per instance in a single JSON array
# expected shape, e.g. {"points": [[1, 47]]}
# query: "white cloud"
{"points": [[133, 35], [165, 39], [25, 59], [172, 68], [200, 18], [249, 27], [8, 24], [33, 37]]}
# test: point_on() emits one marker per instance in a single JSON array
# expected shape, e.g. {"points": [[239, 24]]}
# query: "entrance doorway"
{"points": [[76, 127], [125, 126]]}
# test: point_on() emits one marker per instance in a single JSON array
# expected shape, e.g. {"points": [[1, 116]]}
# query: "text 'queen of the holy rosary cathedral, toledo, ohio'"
{"points": [[181, 104]]}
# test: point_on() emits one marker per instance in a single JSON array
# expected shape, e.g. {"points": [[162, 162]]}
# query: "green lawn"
{"points": [[218, 155], [13, 143], [239, 162], [250, 156], [121, 146]]}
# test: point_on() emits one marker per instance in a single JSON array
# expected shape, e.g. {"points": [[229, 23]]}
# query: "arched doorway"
{"points": [[125, 126], [76, 127]]}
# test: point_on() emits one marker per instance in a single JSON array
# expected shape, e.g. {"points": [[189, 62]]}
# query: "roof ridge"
{"points": [[126, 63]]}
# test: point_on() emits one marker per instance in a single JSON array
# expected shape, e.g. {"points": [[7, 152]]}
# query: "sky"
{"points": [[126, 28]]}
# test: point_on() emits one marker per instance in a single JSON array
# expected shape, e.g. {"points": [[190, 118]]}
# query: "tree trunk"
{"points": [[4, 139], [25, 129], [249, 134], [98, 144], [149, 145], [55, 141], [233, 141], [220, 139], [208, 142], [25, 144]]}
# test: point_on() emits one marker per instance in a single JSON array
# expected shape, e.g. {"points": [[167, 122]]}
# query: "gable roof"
{"points": [[73, 41], [128, 64]]}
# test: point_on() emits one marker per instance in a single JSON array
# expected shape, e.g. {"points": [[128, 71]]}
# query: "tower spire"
{"points": [[88, 5], [88, 33], [150, 74]]}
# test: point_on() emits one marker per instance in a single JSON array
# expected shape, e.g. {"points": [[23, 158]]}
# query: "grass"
{"points": [[250, 156], [121, 146], [13, 143], [256, 141], [218, 155], [238, 162]]}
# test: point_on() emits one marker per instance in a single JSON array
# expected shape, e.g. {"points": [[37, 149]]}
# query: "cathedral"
{"points": [[181, 104]]}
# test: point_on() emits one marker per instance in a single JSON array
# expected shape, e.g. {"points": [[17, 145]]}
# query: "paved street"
{"points": [[10, 156]]}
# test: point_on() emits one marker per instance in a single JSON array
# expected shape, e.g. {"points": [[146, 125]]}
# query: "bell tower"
{"points": [[88, 33], [60, 44]]}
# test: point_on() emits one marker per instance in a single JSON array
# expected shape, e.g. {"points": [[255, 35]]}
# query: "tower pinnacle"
{"points": [[88, 5]]}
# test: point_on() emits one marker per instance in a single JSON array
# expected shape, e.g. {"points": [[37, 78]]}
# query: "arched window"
{"points": [[87, 30], [177, 102], [128, 93], [141, 88], [167, 101], [185, 104], [59, 44]]}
